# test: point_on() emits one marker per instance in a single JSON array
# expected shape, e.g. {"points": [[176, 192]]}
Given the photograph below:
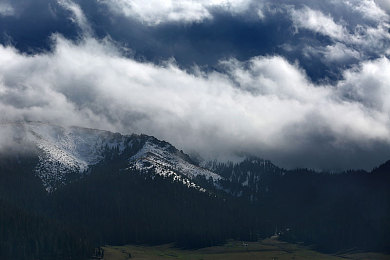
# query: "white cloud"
{"points": [[340, 53], [367, 8], [318, 22], [369, 84], [271, 110], [154, 12], [6, 9], [349, 41], [384, 4], [337, 53], [260, 14], [78, 16]]}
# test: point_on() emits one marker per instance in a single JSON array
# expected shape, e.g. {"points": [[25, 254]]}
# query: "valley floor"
{"points": [[265, 249]]}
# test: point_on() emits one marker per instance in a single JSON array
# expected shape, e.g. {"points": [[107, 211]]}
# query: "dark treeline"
{"points": [[25, 231], [332, 212], [133, 207], [27, 236], [115, 206]]}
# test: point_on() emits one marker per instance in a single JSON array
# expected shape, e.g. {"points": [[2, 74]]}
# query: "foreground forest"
{"points": [[330, 212]]}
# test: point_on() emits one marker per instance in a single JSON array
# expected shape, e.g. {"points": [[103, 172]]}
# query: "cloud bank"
{"points": [[265, 105]]}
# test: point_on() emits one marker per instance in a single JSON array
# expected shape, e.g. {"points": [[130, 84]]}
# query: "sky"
{"points": [[302, 83]]}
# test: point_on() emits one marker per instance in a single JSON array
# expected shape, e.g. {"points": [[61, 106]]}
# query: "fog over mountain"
{"points": [[302, 83]]}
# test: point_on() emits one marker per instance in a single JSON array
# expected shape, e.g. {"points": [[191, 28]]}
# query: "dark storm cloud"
{"points": [[216, 32], [33, 22], [255, 28], [242, 36], [252, 79]]}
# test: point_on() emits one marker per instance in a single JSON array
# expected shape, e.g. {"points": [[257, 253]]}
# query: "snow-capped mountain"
{"points": [[68, 153]]}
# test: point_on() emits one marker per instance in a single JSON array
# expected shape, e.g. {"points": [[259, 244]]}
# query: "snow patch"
{"points": [[166, 156], [67, 151]]}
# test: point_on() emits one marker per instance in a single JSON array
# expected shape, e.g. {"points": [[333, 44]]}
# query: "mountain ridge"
{"points": [[65, 152]]}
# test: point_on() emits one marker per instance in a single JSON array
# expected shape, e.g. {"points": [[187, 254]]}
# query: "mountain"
{"points": [[67, 154]]}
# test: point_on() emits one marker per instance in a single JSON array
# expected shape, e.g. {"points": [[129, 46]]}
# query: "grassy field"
{"points": [[266, 249]]}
